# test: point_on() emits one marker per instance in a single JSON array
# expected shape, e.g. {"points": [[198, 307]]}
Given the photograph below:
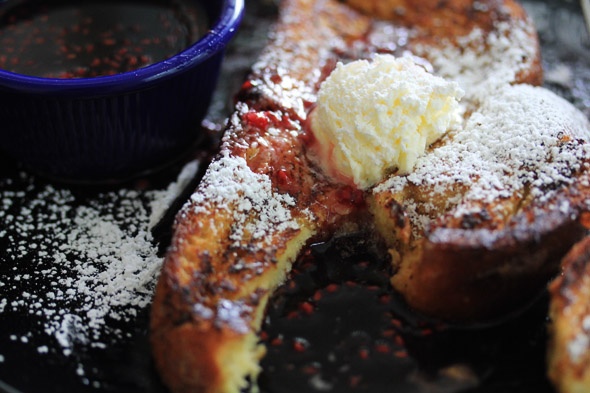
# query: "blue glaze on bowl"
{"points": [[113, 127]]}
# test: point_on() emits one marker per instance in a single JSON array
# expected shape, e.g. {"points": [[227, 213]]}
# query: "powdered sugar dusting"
{"points": [[480, 62], [160, 204], [516, 139], [257, 209], [578, 347], [77, 266]]}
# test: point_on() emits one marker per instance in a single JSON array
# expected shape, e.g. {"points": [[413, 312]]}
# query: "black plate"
{"points": [[377, 348]]}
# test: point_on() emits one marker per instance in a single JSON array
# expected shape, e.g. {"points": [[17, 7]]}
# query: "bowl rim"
{"points": [[210, 44]]}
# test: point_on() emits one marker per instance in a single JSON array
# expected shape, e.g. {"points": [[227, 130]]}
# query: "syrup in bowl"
{"points": [[74, 39]]}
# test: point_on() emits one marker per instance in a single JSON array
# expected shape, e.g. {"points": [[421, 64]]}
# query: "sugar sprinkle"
{"points": [[474, 62], [78, 267], [514, 140], [230, 182]]}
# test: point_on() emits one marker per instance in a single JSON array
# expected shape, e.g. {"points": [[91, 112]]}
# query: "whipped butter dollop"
{"points": [[373, 117]]}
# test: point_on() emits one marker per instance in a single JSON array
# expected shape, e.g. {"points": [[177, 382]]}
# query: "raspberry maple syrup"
{"points": [[75, 39]]}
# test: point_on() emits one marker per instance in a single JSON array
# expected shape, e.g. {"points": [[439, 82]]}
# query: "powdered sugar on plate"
{"points": [[77, 266]]}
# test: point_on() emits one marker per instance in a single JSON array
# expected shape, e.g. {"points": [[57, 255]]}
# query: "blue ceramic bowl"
{"points": [[114, 127]]}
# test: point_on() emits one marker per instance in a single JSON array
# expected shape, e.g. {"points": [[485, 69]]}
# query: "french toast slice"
{"points": [[569, 328], [480, 225], [261, 201], [258, 204]]}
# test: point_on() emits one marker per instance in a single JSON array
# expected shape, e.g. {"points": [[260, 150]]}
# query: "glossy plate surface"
{"points": [[61, 248]]}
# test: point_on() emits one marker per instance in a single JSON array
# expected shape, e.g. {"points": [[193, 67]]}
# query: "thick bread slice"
{"points": [[257, 206], [481, 223], [569, 329], [261, 201]]}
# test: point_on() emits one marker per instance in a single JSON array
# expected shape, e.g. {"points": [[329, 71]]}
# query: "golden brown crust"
{"points": [[474, 275], [569, 312], [260, 202], [442, 18]]}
